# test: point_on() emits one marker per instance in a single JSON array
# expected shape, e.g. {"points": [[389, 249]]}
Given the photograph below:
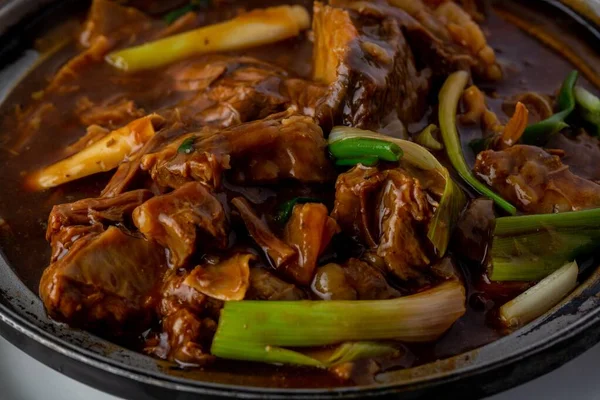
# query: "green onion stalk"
{"points": [[539, 133], [453, 199], [285, 209], [530, 247], [540, 298], [365, 151], [588, 107], [449, 97], [277, 331]]}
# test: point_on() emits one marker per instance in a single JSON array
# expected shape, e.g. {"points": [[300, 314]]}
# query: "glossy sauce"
{"points": [[26, 212]]}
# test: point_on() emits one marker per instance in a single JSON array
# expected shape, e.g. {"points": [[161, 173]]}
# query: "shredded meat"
{"points": [[535, 181], [181, 220]]}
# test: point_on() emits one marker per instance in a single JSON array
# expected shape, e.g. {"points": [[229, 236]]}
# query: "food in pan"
{"points": [[352, 186]]}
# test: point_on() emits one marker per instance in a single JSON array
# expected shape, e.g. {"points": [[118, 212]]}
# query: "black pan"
{"points": [[563, 333]]}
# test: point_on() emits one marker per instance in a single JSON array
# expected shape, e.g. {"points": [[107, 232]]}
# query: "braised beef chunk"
{"points": [[389, 211], [535, 181], [186, 327], [71, 221], [265, 285], [182, 219], [361, 57], [355, 280], [282, 146], [474, 230], [115, 210], [106, 281]]}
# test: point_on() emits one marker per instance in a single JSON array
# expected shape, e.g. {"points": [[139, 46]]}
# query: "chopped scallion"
{"points": [[540, 298], [449, 97]]}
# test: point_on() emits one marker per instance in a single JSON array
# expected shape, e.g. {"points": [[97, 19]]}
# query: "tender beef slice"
{"points": [[309, 232], [474, 230], [369, 67], [535, 181], [172, 167], [182, 219], [69, 222], [107, 281], [581, 154], [389, 212], [265, 285], [353, 193], [282, 146], [113, 210], [355, 280]]}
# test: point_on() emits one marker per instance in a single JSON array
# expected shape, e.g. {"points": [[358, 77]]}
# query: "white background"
{"points": [[23, 378]]}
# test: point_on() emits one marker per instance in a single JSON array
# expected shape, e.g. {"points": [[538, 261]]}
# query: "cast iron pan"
{"points": [[563, 333]]}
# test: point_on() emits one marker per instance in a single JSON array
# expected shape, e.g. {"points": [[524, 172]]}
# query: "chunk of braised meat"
{"points": [[535, 181], [282, 146], [182, 219], [107, 281], [187, 326], [474, 230], [69, 222], [581, 154], [309, 231], [113, 210], [278, 251], [354, 280], [389, 211], [361, 57], [404, 213], [265, 285]]}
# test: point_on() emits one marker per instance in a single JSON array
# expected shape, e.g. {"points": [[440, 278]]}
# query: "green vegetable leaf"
{"points": [[194, 5], [285, 210], [187, 147], [539, 133]]}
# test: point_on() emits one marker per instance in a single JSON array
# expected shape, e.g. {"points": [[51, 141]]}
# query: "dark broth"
{"points": [[26, 212]]}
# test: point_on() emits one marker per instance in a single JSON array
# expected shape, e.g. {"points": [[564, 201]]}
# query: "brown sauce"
{"points": [[26, 212]]}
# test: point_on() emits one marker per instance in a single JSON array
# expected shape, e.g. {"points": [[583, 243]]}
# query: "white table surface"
{"points": [[23, 378]]}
